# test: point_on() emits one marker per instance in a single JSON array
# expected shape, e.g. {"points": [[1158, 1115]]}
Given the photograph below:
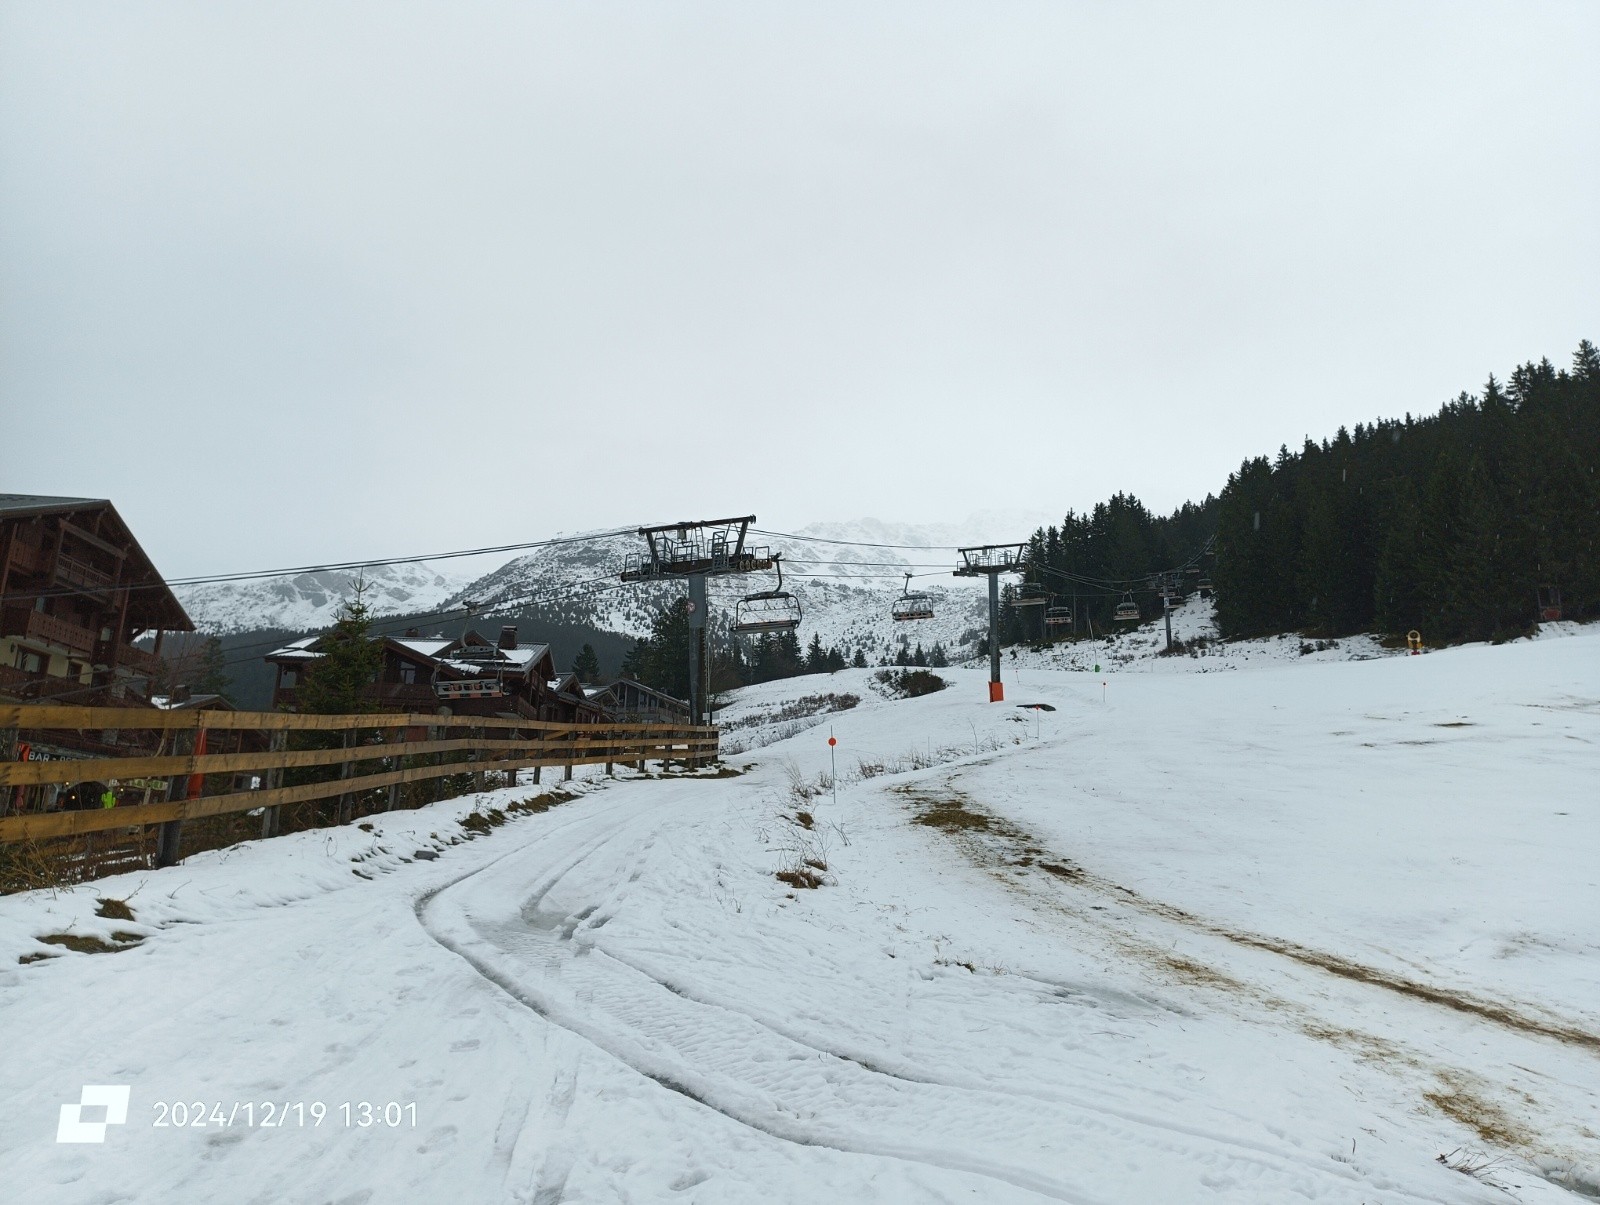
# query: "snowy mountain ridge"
{"points": [[305, 601], [845, 575]]}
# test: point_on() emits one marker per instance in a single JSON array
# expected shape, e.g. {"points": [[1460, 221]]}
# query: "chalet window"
{"points": [[408, 673], [29, 662], [288, 677], [41, 604]]}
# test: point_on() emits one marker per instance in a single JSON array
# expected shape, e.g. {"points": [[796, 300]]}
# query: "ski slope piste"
{"points": [[1313, 931]]}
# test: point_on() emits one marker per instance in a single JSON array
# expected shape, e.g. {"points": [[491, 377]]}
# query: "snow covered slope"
{"points": [[312, 600], [1318, 932]]}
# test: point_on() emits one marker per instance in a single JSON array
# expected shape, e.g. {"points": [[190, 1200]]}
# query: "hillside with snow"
{"points": [[304, 601], [1322, 931], [846, 577]]}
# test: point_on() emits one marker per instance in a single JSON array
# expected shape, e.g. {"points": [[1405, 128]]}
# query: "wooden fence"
{"points": [[452, 745]]}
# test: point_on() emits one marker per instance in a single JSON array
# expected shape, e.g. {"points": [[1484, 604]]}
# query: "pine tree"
{"points": [[816, 656], [587, 664], [213, 678], [859, 661], [347, 664], [938, 658], [661, 659]]}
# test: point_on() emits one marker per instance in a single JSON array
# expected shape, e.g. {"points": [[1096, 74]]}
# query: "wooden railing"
{"points": [[463, 745], [38, 625]]}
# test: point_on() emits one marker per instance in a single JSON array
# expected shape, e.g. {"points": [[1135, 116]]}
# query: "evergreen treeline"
{"points": [[1448, 524], [1119, 542], [661, 659]]}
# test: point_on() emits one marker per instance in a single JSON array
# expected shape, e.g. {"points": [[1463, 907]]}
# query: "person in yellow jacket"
{"points": [[108, 798]]}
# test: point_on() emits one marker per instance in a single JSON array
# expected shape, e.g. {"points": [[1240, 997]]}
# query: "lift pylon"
{"points": [[991, 560], [694, 550]]}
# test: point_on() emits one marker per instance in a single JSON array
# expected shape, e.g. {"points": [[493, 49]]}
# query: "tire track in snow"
{"points": [[760, 1077]]}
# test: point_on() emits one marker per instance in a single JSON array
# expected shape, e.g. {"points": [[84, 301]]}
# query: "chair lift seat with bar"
{"points": [[1032, 594], [1127, 610], [911, 605], [767, 610]]}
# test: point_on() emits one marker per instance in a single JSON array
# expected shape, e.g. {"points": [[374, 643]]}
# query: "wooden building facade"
{"points": [[76, 593], [472, 675], [627, 700]]}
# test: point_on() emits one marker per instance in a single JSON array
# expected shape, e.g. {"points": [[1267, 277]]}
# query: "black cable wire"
{"points": [[330, 567]]}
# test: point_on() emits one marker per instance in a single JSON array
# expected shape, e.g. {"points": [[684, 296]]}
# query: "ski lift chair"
{"points": [[1032, 594], [767, 610], [1127, 610], [911, 605], [1055, 617], [1205, 587]]}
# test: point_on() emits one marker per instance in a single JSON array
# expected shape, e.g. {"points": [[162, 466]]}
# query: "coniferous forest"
{"points": [[1449, 524], [1457, 525]]}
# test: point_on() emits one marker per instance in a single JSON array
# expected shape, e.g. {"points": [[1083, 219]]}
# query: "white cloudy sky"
{"points": [[300, 281]]}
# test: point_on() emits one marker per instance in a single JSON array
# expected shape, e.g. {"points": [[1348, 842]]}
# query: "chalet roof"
{"points": [[525, 654], [192, 703], [45, 504], [151, 602], [296, 650], [427, 646], [568, 684], [642, 689]]}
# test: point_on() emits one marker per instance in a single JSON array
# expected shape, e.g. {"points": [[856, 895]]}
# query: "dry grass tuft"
{"points": [[114, 909], [804, 877]]}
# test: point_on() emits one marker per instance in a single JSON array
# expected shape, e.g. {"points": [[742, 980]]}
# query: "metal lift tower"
{"points": [[991, 560], [696, 550]]}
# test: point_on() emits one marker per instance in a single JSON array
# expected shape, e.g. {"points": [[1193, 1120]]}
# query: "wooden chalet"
{"points": [[472, 675], [630, 701], [76, 593]]}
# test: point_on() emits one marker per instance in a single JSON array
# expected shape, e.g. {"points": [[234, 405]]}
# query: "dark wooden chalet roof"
{"points": [[151, 602]]}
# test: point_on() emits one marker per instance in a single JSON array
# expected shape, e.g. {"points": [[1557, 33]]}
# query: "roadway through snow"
{"points": [[535, 924]]}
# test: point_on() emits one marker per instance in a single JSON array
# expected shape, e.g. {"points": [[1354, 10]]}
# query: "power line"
{"points": [[788, 535], [331, 566]]}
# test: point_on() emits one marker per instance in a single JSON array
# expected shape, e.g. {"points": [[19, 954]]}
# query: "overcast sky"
{"points": [[301, 282]]}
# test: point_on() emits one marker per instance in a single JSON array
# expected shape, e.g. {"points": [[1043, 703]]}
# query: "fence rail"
{"points": [[474, 744]]}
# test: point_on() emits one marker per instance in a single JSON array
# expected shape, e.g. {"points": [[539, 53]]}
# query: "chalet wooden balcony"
{"points": [[137, 659], [33, 625], [34, 687], [73, 572]]}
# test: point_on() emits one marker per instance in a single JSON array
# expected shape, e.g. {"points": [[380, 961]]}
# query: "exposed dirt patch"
{"points": [[1455, 1099], [114, 909], [88, 943], [1061, 871]]}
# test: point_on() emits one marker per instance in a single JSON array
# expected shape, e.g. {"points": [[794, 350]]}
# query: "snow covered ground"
{"points": [[1291, 934]]}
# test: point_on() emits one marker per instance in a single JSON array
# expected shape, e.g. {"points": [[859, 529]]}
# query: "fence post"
{"points": [[476, 734], [346, 767], [8, 752], [170, 832], [393, 797], [272, 818]]}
